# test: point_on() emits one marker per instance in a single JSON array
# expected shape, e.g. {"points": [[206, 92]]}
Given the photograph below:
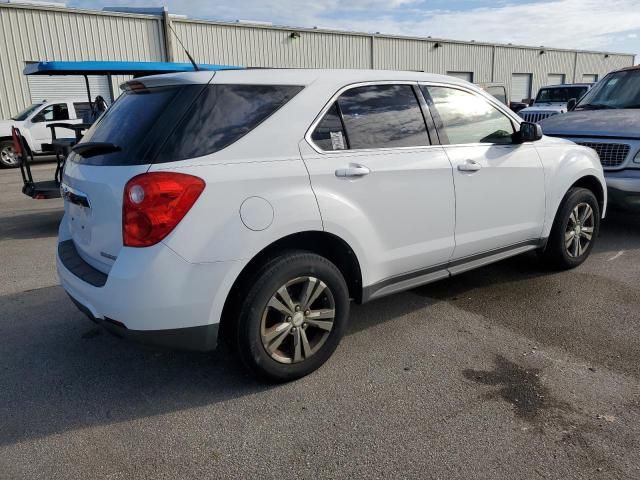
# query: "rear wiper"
{"points": [[91, 149], [633, 106]]}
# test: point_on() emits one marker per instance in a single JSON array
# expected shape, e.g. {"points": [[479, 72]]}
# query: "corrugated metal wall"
{"points": [[265, 47], [432, 56], [38, 34]]}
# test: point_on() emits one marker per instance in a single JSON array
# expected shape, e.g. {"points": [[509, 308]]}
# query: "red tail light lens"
{"points": [[154, 203], [17, 147]]}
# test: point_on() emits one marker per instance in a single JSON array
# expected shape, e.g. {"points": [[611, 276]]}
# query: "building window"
{"points": [[590, 77], [466, 76]]}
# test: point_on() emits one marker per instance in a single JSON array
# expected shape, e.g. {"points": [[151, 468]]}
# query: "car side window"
{"points": [[53, 113], [373, 116], [383, 116], [329, 134], [468, 118]]}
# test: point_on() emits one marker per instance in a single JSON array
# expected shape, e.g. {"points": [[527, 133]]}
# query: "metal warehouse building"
{"points": [[37, 33]]}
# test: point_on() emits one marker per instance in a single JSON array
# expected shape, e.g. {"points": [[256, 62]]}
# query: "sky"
{"points": [[611, 25]]}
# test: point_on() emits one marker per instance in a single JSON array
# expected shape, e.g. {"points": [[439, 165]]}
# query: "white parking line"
{"points": [[617, 255]]}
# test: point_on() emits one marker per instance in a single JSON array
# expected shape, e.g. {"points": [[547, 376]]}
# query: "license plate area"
{"points": [[79, 222]]}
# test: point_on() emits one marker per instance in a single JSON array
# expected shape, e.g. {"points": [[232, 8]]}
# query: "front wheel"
{"points": [[8, 156], [574, 230], [293, 316]]}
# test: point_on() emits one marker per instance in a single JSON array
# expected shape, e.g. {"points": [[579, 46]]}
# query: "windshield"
{"points": [[560, 94], [24, 114], [616, 90]]}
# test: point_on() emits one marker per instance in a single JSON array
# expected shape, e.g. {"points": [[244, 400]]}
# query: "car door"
{"points": [[52, 113], [499, 184], [382, 184]]}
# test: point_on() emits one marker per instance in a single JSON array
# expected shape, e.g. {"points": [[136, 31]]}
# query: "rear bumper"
{"points": [[152, 295], [624, 189], [202, 338]]}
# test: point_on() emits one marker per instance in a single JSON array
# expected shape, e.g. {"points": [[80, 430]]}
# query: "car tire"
{"points": [[8, 158], [293, 316], [574, 230]]}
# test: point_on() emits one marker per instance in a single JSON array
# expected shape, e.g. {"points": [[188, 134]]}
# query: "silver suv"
{"points": [[607, 119]]}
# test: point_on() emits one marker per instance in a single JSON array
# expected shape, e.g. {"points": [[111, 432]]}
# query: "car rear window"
{"points": [[166, 124], [221, 115]]}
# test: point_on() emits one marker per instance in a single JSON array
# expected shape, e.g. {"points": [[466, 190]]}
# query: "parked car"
{"points": [[553, 100], [607, 119], [518, 106], [33, 124], [253, 205]]}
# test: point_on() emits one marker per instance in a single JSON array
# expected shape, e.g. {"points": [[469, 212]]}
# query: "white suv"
{"points": [[253, 205]]}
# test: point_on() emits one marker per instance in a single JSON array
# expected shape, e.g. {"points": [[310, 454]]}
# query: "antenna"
{"points": [[193, 62]]}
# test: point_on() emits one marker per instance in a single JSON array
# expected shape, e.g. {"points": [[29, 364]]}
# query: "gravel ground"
{"points": [[510, 371]]}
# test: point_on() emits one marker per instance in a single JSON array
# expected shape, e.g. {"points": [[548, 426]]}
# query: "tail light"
{"points": [[17, 146], [154, 203]]}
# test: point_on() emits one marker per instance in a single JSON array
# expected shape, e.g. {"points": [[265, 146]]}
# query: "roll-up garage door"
{"points": [[45, 87], [555, 79], [520, 86], [467, 76]]}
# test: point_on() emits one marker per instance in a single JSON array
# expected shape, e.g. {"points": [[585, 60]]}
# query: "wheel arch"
{"points": [[10, 139], [592, 183], [326, 244]]}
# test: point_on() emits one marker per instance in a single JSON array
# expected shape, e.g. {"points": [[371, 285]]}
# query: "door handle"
{"points": [[469, 166], [353, 170]]}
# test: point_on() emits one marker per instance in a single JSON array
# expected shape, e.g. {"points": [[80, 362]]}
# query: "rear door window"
{"points": [[383, 116]]}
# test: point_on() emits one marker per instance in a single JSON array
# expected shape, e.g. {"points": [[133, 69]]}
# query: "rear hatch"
{"points": [[156, 120], [123, 143]]}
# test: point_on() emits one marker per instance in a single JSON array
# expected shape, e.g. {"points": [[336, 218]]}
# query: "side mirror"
{"points": [[571, 104], [530, 132], [37, 118]]}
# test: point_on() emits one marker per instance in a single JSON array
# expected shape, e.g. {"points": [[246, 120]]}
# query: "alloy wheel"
{"points": [[297, 320], [8, 156], [579, 231]]}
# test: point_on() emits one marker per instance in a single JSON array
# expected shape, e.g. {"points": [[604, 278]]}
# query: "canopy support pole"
{"points": [[86, 81]]}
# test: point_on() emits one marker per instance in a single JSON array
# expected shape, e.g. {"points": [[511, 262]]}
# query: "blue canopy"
{"points": [[137, 69]]}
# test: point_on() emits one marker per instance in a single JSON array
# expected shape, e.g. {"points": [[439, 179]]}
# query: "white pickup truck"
{"points": [[33, 124]]}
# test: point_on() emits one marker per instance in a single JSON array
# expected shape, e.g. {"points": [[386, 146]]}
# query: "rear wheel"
{"points": [[8, 156], [293, 316], [575, 229]]}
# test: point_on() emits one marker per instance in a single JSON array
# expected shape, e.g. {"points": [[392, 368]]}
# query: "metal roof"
{"points": [[116, 68]]}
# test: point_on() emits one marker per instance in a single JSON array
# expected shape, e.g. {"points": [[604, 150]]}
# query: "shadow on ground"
{"points": [[61, 372], [31, 225]]}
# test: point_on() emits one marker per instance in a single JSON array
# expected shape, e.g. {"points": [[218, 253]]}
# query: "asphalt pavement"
{"points": [[507, 372]]}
